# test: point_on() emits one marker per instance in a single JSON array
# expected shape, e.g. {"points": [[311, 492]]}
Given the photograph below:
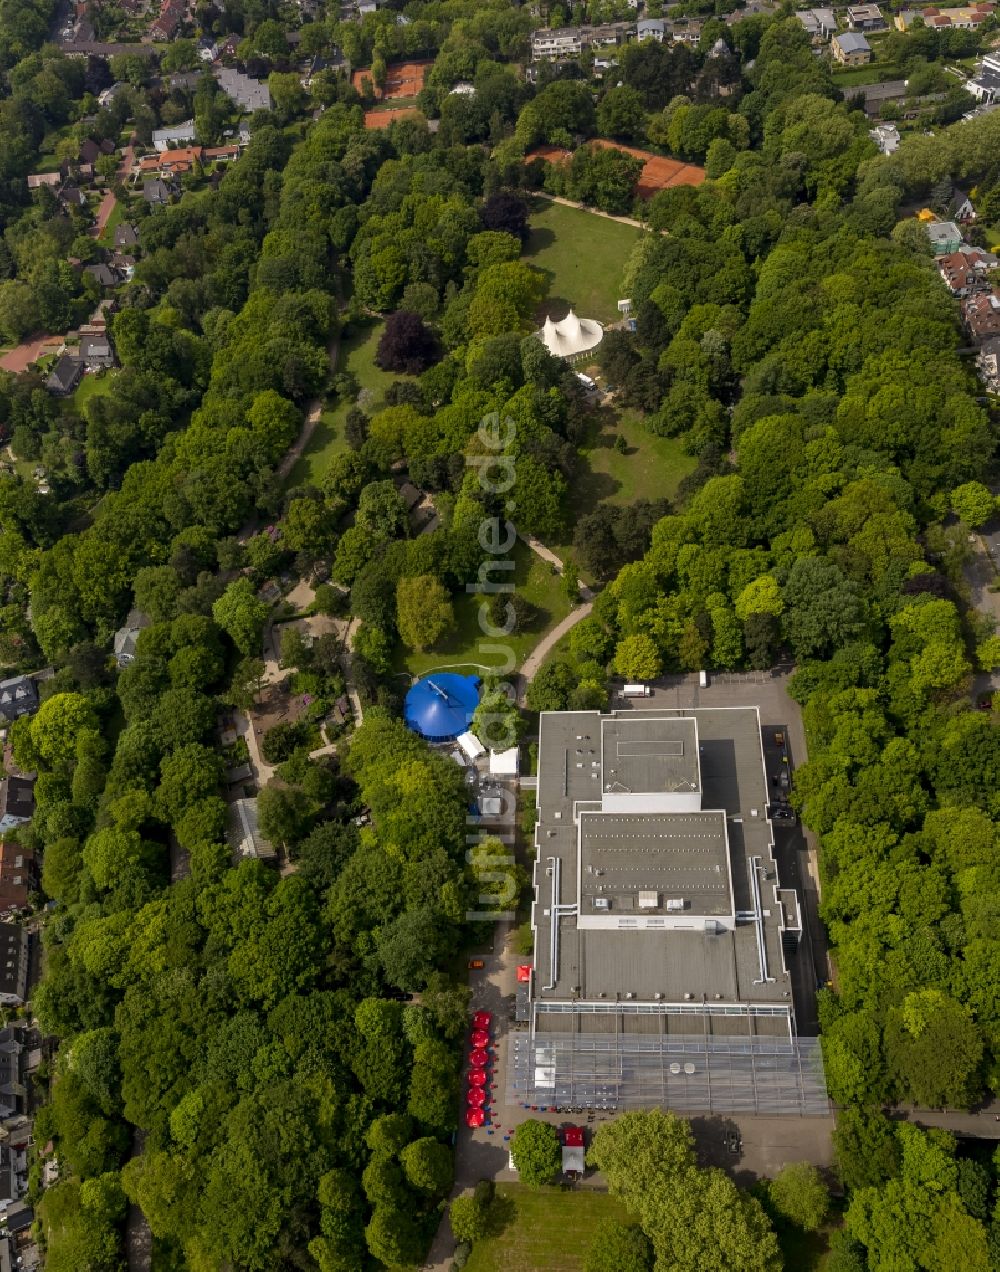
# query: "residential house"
{"points": [[557, 42], [178, 135], [186, 81], [51, 179], [905, 18], [208, 50], [127, 635], [17, 802], [249, 94], [18, 697], [107, 95], [988, 364], [865, 17], [981, 315], [651, 29], [102, 274], [945, 236], [91, 151], [960, 207], [610, 35], [18, 875], [168, 23], [126, 236], [97, 353], [220, 154], [819, 24], [156, 192], [13, 968], [687, 30], [886, 137], [125, 265], [311, 67], [851, 49], [71, 196], [245, 837], [64, 376], [985, 84], [13, 1073]]}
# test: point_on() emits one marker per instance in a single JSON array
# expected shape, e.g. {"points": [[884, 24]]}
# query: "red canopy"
{"points": [[480, 1038], [524, 972], [475, 1097], [482, 1019], [478, 1059], [572, 1136], [477, 1077], [474, 1117]]}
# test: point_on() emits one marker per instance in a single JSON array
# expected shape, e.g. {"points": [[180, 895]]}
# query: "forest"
{"points": [[241, 1053]]}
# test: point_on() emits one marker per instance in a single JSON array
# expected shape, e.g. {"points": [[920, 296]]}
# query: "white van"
{"points": [[636, 691], [703, 679]]}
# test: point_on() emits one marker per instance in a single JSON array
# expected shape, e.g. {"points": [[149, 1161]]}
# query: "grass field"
{"points": [[549, 1230], [874, 73], [534, 581], [651, 468], [583, 257], [92, 386], [357, 355]]}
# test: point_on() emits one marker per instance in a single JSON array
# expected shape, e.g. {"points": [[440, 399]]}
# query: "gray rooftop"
{"points": [[709, 961], [654, 864], [658, 754]]}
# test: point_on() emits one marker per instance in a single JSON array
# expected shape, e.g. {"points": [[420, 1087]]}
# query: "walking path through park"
{"points": [[313, 412], [530, 666], [582, 207]]}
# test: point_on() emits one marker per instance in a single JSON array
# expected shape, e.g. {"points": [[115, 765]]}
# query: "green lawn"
{"points": [[548, 1231], [651, 468], [357, 355], [583, 257], [873, 73], [92, 386], [534, 581]]}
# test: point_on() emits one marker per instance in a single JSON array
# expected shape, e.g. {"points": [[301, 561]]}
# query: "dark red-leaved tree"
{"points": [[407, 344], [505, 212]]}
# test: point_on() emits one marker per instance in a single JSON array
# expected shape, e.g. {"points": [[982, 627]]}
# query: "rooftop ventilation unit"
{"points": [[651, 901], [674, 905]]}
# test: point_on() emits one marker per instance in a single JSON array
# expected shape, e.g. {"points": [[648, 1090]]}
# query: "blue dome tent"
{"points": [[441, 706]]}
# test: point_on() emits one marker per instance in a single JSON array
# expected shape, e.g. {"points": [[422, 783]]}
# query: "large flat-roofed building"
{"points": [[662, 931]]}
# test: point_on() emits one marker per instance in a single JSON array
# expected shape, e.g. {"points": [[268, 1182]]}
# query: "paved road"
{"points": [[103, 215]]}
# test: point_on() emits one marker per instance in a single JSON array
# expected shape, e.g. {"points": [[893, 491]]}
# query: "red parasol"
{"points": [[478, 1059], [477, 1077], [482, 1020], [475, 1097], [480, 1038], [474, 1117], [523, 973]]}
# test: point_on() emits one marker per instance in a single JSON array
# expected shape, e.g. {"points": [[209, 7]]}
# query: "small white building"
{"points": [[886, 137], [504, 763]]}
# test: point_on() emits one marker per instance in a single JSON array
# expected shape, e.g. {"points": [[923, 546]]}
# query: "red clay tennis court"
{"points": [[657, 174], [403, 80], [383, 118]]}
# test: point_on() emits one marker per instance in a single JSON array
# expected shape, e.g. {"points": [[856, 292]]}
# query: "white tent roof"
{"points": [[504, 763], [471, 745], [570, 336]]}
